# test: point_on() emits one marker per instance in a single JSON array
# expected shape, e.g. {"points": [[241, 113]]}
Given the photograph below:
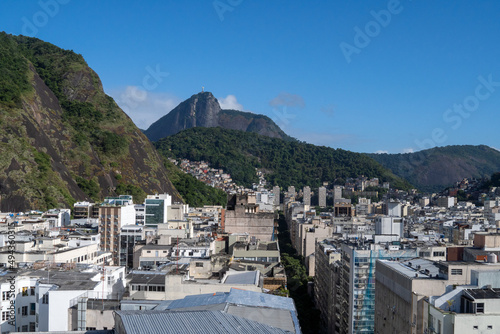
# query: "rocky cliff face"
{"points": [[203, 110], [61, 138]]}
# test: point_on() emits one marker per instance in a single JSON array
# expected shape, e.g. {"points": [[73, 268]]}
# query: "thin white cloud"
{"points": [[230, 102], [142, 106], [381, 152], [408, 150], [287, 100]]}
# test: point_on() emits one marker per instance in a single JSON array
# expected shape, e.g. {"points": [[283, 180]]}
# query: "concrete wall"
{"points": [[399, 298], [260, 225], [466, 323]]}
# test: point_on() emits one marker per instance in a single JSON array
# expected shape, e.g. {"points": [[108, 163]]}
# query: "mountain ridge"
{"points": [[287, 162], [440, 167]]}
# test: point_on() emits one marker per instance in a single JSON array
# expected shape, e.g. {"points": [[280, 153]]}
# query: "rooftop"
{"points": [[193, 322], [417, 268], [157, 278], [483, 293]]}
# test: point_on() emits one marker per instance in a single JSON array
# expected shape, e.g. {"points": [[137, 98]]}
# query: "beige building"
{"points": [[403, 286], [306, 234], [177, 285], [243, 216], [112, 218]]}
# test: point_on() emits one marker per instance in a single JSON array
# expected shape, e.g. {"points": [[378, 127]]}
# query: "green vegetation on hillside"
{"points": [[435, 169], [137, 193], [194, 192], [287, 162], [61, 137], [13, 69]]}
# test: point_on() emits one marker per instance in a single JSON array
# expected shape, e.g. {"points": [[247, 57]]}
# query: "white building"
{"points": [[389, 226], [43, 297], [465, 311], [446, 202]]}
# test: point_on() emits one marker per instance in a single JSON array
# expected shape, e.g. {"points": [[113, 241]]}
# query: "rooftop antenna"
{"points": [[202, 89]]}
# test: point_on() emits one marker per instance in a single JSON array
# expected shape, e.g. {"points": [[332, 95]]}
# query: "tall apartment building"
{"points": [[354, 307], [325, 284], [322, 197], [276, 192], [291, 191], [139, 213], [337, 193], [130, 235], [112, 218], [307, 195], [156, 209]]}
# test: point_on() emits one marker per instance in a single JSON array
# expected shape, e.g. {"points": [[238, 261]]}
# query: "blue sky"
{"points": [[365, 76]]}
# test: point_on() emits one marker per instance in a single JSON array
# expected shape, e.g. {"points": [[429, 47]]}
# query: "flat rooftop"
{"points": [[484, 293]]}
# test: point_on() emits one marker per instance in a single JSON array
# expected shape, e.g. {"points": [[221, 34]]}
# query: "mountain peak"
{"points": [[203, 110]]}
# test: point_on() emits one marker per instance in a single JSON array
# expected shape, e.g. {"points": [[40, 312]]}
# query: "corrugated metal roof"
{"points": [[273, 317], [190, 322], [235, 296], [243, 298], [246, 277]]}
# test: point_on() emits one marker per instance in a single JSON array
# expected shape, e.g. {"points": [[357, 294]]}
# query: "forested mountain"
{"points": [[286, 162], [62, 139], [203, 110], [437, 168]]}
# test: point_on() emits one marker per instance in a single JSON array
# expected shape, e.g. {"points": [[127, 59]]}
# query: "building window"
{"points": [[32, 290], [24, 328], [456, 271], [199, 264], [24, 311], [438, 254], [25, 291], [32, 327], [5, 315], [475, 327], [32, 309], [480, 308], [490, 327], [45, 298], [6, 295]]}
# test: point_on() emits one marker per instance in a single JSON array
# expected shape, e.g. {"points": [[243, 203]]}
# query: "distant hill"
{"points": [[437, 168], [286, 162], [62, 139], [203, 110]]}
